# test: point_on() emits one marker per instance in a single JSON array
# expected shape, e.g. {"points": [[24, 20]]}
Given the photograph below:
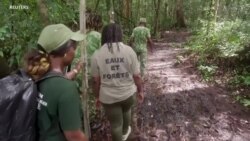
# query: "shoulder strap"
{"points": [[51, 74]]}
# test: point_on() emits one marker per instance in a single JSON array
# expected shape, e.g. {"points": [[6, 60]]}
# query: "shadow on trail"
{"points": [[198, 114], [178, 106]]}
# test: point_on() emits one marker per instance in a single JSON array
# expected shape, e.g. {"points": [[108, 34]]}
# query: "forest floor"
{"points": [[179, 106]]}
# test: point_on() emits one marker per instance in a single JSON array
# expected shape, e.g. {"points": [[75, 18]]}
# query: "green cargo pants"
{"points": [[142, 57], [119, 116]]}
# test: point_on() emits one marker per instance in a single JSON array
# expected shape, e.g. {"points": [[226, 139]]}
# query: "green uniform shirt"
{"points": [[140, 35], [116, 71], [59, 108], [93, 40]]}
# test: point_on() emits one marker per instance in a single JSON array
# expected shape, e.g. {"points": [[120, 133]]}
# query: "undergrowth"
{"points": [[225, 49]]}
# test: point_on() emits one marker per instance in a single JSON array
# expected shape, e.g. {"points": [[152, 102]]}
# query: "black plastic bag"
{"points": [[18, 107]]}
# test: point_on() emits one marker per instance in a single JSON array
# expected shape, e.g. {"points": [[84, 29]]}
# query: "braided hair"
{"points": [[37, 61], [112, 33]]}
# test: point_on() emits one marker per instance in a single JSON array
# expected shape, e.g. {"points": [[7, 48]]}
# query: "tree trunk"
{"points": [[111, 12], [85, 70], [96, 6], [108, 6], [43, 10], [126, 7], [229, 11], [217, 5], [180, 20], [211, 16], [138, 10], [157, 11]]}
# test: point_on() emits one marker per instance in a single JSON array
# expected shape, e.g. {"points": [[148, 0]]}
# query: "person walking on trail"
{"points": [[116, 77], [93, 37], [59, 104], [93, 42], [140, 37], [94, 24]]}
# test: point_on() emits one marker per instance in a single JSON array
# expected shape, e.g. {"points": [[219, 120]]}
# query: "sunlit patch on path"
{"points": [[180, 107]]}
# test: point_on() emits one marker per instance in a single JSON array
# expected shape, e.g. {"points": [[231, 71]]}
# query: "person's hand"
{"points": [[97, 104], [140, 97], [79, 65], [72, 74]]}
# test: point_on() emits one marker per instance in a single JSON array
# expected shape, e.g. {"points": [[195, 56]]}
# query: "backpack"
{"points": [[18, 106]]}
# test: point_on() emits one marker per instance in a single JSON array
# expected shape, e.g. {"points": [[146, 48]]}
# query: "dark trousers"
{"points": [[119, 116]]}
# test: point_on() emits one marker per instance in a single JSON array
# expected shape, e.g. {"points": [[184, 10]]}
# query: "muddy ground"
{"points": [[179, 106]]}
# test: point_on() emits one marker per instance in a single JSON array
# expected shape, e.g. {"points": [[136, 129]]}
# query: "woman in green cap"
{"points": [[59, 105]]}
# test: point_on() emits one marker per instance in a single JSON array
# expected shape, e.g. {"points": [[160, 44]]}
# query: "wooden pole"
{"points": [[111, 16], [85, 70], [111, 12]]}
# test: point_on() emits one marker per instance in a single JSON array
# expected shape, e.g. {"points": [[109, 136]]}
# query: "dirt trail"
{"points": [[179, 107]]}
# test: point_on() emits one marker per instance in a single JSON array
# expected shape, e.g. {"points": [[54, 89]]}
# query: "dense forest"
{"points": [[217, 34], [202, 18]]}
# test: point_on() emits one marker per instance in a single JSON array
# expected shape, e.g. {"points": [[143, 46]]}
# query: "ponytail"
{"points": [[37, 63]]}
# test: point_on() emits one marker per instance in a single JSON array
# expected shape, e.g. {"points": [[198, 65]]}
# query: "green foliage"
{"points": [[68, 13], [207, 71], [243, 80], [233, 36], [21, 27], [226, 45], [230, 37], [227, 38], [247, 80], [19, 31], [244, 100], [4, 33]]}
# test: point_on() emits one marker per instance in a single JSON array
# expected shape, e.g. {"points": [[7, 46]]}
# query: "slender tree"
{"points": [[211, 16], [157, 6], [43, 10], [180, 20], [85, 69], [216, 10], [97, 4], [138, 9]]}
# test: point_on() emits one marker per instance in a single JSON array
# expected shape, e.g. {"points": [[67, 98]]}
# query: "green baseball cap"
{"points": [[143, 20], [55, 35]]}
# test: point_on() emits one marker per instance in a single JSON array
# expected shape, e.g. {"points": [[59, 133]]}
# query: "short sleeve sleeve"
{"points": [[135, 64], [94, 66], [69, 109]]}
